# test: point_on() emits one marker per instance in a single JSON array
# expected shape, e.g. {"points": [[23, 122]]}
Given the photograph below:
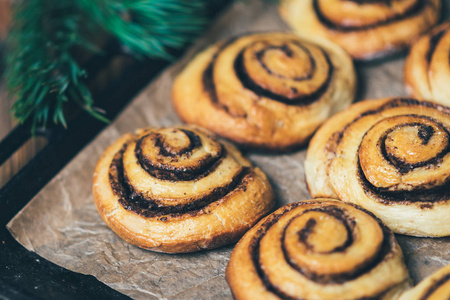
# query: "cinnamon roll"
{"points": [[178, 189], [317, 249], [269, 91], [427, 67], [435, 286], [390, 156], [364, 28]]}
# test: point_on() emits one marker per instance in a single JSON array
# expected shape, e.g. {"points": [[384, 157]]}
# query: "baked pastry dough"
{"points": [[434, 287], [317, 249], [390, 156], [427, 67], [270, 91], [178, 189], [366, 29]]}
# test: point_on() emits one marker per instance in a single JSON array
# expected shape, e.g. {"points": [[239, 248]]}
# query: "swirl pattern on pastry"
{"points": [[365, 28], [427, 67], [268, 90], [390, 156], [434, 287], [178, 189], [317, 249]]}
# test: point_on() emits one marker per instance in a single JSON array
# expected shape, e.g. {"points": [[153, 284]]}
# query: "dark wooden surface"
{"points": [[24, 274]]}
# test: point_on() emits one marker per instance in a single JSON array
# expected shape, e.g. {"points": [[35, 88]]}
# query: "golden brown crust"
{"points": [[434, 287], [392, 157], [268, 91], [365, 29], [178, 190], [317, 249], [322, 148], [427, 67]]}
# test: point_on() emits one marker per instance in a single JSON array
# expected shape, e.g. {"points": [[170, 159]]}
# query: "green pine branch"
{"points": [[148, 27], [41, 73]]}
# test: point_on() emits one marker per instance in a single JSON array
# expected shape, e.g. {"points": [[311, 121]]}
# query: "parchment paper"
{"points": [[62, 225]]}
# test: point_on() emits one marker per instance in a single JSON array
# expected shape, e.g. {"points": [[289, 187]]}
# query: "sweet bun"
{"points": [[365, 29], [317, 249], [178, 189], [434, 287], [427, 67], [268, 91], [390, 156]]}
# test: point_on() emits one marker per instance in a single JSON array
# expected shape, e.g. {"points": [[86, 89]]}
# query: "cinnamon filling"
{"points": [[433, 195], [264, 90], [414, 10], [182, 173], [303, 234], [424, 134], [435, 286], [141, 204], [303, 100]]}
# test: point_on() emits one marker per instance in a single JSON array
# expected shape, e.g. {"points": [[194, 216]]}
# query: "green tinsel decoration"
{"points": [[42, 74]]}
